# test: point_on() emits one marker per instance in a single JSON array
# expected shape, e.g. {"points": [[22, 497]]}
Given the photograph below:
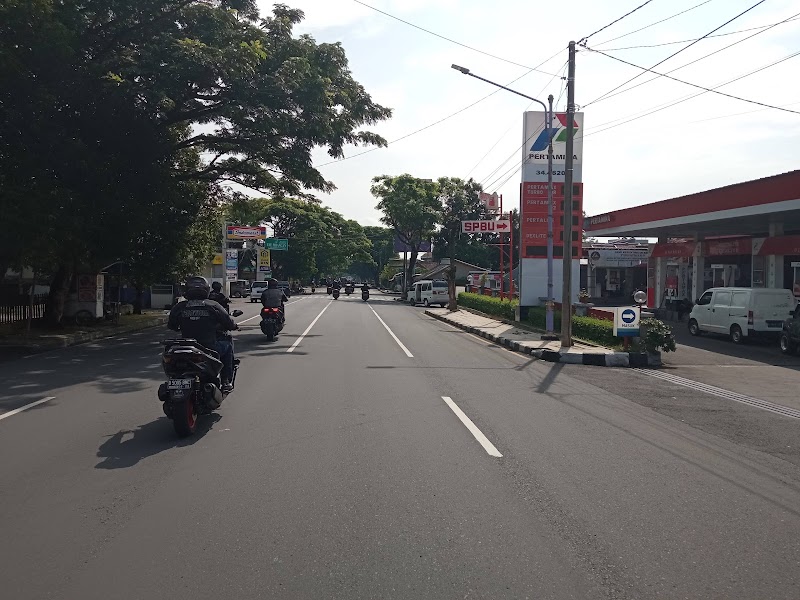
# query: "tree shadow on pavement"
{"points": [[549, 379], [127, 447]]}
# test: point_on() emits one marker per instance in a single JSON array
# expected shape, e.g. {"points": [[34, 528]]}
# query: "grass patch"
{"points": [[499, 307]]}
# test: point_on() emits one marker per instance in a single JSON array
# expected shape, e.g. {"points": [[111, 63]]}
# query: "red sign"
{"points": [[674, 250], [534, 219], [502, 226], [787, 245], [732, 247]]}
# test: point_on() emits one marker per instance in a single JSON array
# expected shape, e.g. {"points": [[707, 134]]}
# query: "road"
{"points": [[388, 456]]}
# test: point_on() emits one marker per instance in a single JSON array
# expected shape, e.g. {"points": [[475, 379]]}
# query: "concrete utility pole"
{"points": [[566, 295], [550, 226]]}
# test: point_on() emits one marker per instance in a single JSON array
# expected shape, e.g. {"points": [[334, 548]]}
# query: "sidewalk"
{"points": [[16, 343], [529, 342]]}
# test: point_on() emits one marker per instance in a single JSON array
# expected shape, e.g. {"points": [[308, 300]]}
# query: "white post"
{"points": [[775, 263]]}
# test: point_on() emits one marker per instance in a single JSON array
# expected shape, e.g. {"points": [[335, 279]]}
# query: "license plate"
{"points": [[180, 384], [774, 323]]}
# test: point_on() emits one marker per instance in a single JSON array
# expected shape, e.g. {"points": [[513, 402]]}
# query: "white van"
{"points": [[256, 288], [741, 312], [428, 292]]}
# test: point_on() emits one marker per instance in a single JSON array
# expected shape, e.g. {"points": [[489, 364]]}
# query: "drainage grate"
{"points": [[721, 393]]}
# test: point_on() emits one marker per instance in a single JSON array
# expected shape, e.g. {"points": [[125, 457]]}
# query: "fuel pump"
{"points": [[724, 275]]}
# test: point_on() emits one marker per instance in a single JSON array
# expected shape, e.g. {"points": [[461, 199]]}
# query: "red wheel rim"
{"points": [[190, 417]]}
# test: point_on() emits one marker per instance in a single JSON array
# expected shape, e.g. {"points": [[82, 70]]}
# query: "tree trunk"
{"points": [[137, 304], [57, 298], [412, 262], [451, 287]]}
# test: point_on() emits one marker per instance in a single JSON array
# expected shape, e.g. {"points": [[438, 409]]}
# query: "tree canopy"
{"points": [[120, 120]]}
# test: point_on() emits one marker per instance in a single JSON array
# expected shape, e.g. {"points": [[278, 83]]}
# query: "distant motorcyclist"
{"points": [[217, 296], [274, 297], [206, 321]]}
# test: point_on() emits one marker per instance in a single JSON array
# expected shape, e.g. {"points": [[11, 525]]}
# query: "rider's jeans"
{"points": [[225, 349]]}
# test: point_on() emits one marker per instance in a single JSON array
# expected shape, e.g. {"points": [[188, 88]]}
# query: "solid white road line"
{"points": [[391, 333], [11, 413], [305, 333], [482, 439], [250, 319]]}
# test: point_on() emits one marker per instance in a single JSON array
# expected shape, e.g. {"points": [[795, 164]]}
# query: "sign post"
{"points": [[626, 322]]}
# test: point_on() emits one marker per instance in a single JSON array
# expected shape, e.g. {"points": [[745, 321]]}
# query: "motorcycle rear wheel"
{"points": [[270, 331], [184, 417]]}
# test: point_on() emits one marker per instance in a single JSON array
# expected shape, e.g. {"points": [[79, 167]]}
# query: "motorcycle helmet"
{"points": [[196, 288], [272, 284], [216, 286]]}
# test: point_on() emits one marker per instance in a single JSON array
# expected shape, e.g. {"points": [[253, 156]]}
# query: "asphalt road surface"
{"points": [[388, 456]]}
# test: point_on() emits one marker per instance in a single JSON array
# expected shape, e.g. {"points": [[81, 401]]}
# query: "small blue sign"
{"points": [[628, 316]]}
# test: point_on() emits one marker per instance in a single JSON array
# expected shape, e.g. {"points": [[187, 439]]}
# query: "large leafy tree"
{"points": [[321, 241], [411, 207], [460, 201], [119, 120], [382, 249]]}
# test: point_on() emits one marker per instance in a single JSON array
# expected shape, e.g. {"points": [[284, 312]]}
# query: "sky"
{"points": [[702, 143]]}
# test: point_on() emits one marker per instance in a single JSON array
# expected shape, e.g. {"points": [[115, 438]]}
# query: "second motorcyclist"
{"points": [[274, 297], [217, 296]]}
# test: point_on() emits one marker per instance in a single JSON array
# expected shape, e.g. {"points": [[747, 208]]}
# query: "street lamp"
{"points": [[549, 119]]}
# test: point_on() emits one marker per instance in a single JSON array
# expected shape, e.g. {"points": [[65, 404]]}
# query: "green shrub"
{"points": [[590, 329], [487, 304], [657, 336]]}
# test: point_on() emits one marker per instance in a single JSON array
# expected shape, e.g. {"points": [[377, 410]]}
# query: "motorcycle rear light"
{"points": [[749, 317]]}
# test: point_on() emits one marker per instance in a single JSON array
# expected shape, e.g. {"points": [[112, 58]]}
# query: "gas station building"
{"points": [[741, 235]]}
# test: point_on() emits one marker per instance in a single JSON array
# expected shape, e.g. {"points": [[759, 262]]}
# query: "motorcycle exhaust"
{"points": [[212, 395]]}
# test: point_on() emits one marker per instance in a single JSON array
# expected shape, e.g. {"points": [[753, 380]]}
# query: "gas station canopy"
{"points": [[742, 209]]}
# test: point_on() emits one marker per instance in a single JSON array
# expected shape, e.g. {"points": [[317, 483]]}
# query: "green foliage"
{"points": [[321, 241], [382, 249], [119, 119], [487, 304], [411, 207], [388, 273], [590, 329], [657, 338]]}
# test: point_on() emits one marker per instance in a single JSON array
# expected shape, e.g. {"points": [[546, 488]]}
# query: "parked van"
{"points": [[428, 292], [741, 312]]}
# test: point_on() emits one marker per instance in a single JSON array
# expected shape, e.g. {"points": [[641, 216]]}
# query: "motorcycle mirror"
{"points": [[237, 313]]}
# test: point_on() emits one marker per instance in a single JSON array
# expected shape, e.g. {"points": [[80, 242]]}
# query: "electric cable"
{"points": [[452, 41], [583, 39], [635, 117], [716, 35], [619, 37], [797, 15], [712, 90], [675, 53]]}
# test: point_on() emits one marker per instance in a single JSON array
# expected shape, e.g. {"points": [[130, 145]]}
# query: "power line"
{"points": [[442, 120], [629, 119], [698, 39], [619, 37], [700, 87], [697, 59], [452, 41], [674, 54], [583, 39]]}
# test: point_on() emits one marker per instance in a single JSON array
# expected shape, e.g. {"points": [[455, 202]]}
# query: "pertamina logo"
{"points": [[558, 133]]}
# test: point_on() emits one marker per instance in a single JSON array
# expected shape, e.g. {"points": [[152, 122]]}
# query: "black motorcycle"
{"points": [[194, 385], [271, 322], [365, 294], [335, 293], [349, 289]]}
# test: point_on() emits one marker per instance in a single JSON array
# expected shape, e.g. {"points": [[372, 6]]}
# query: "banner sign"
{"points": [[239, 232], [276, 244], [402, 247], [535, 142], [501, 226], [618, 257], [264, 264]]}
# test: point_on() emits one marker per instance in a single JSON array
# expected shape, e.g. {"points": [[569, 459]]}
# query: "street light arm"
{"points": [[466, 71]]}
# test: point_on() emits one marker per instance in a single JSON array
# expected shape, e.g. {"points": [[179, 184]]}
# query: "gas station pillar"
{"points": [[775, 263], [698, 271]]}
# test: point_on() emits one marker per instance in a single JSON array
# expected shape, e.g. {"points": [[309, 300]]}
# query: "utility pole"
{"points": [[225, 289], [566, 295], [550, 225]]}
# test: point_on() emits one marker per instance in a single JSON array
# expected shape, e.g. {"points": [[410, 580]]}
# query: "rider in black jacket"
{"points": [[217, 296], [206, 321]]}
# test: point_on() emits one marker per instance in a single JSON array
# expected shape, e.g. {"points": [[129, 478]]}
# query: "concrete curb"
{"points": [[83, 337], [612, 359]]}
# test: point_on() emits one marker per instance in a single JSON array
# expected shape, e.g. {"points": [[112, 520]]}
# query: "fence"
{"points": [[16, 309]]}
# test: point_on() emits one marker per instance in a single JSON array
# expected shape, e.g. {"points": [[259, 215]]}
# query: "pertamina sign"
{"points": [[501, 226]]}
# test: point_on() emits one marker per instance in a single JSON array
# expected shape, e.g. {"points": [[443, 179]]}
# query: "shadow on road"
{"points": [[127, 447]]}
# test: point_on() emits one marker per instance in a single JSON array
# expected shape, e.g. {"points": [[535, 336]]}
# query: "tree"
{"points": [[411, 207], [460, 201], [382, 249], [118, 116]]}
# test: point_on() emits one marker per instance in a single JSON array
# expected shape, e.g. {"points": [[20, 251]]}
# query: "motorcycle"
{"points": [[330, 289], [349, 289], [335, 293], [365, 295], [194, 385], [271, 322]]}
